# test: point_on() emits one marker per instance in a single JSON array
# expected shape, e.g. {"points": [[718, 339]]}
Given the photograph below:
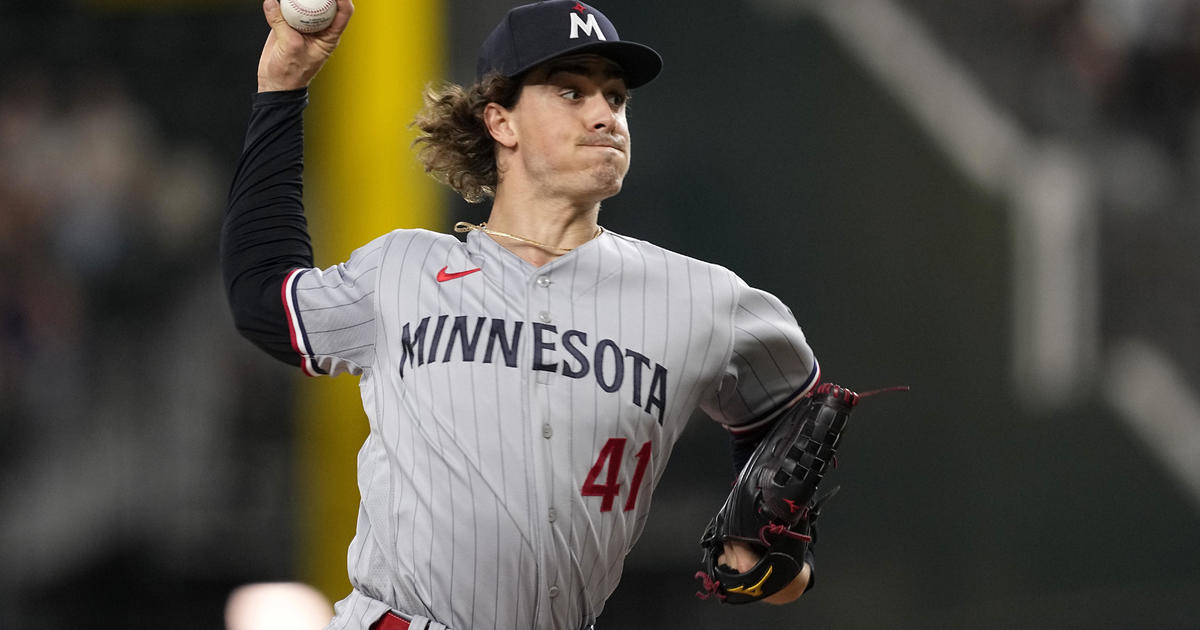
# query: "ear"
{"points": [[500, 125]]}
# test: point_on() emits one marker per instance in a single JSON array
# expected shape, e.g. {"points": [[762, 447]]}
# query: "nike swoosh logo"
{"points": [[443, 276]]}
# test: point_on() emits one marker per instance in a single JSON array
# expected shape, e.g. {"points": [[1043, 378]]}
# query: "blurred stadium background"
{"points": [[993, 202]]}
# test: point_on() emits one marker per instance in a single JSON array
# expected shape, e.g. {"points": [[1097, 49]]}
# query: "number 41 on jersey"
{"points": [[609, 462]]}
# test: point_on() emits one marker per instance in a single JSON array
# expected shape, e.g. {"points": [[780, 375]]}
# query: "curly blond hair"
{"points": [[454, 143]]}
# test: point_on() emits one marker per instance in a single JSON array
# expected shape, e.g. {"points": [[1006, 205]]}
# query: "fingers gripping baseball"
{"points": [[290, 59]]}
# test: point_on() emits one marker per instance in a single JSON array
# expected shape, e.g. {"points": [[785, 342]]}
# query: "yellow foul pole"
{"points": [[361, 181]]}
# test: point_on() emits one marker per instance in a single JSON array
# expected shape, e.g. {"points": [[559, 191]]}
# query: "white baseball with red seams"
{"points": [[308, 16]]}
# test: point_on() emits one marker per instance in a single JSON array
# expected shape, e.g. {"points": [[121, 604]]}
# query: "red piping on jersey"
{"points": [[813, 378], [293, 324]]}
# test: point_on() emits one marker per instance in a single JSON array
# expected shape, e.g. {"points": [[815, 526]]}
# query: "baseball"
{"points": [[308, 16]]}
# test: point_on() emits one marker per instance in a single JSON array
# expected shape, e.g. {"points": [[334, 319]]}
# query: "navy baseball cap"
{"points": [[535, 33]]}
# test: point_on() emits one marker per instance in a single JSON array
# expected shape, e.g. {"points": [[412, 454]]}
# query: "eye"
{"points": [[570, 94], [619, 97]]}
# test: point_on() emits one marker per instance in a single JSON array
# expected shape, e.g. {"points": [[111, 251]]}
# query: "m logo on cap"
{"points": [[590, 27]]}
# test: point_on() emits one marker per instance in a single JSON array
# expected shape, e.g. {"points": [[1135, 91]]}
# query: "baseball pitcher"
{"points": [[526, 383]]}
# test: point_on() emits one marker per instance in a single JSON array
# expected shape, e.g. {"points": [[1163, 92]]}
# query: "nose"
{"points": [[600, 114]]}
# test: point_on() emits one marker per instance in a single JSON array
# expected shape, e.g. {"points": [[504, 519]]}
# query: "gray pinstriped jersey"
{"points": [[521, 416]]}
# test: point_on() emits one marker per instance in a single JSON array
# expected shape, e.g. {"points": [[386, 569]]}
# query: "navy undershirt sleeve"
{"points": [[742, 445], [265, 235]]}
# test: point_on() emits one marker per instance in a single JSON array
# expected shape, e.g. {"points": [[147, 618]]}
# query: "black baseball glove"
{"points": [[774, 505]]}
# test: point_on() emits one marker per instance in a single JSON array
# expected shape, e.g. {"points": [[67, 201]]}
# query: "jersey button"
{"points": [[553, 591], [552, 515], [547, 431], [544, 316], [543, 281]]}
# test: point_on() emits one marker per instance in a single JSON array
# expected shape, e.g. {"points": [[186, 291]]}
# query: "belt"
{"points": [[392, 621]]}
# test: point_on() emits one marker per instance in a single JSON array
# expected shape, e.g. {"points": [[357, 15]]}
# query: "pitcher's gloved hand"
{"points": [[774, 506]]}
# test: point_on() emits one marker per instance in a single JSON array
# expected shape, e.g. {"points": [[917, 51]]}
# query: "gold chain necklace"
{"points": [[463, 226]]}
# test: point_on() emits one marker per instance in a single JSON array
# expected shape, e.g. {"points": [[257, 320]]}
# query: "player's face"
{"points": [[573, 136]]}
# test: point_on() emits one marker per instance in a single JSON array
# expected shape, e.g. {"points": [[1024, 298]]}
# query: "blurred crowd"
{"points": [[1133, 66], [1085, 70], [1134, 74], [1118, 80], [140, 447]]}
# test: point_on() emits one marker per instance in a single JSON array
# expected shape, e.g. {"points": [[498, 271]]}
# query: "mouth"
{"points": [[605, 144]]}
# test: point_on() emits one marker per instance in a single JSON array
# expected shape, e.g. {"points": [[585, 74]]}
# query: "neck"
{"points": [[557, 226]]}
